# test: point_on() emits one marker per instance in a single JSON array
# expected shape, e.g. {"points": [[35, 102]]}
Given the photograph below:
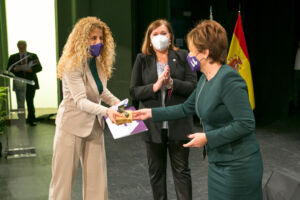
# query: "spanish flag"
{"points": [[238, 58]]}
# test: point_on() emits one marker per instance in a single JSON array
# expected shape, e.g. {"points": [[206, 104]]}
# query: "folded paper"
{"points": [[126, 129]]}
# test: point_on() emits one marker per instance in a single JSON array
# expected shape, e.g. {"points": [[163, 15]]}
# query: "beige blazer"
{"points": [[81, 104]]}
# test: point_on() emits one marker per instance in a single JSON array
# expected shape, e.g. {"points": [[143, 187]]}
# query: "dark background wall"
{"points": [[118, 16], [272, 32], [143, 14], [271, 29]]}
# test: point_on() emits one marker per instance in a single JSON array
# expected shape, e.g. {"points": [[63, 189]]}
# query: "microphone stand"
{"points": [[10, 67], [9, 75], [15, 78]]}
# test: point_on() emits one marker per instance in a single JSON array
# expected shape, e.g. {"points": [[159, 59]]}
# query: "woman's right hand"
{"points": [[142, 114], [158, 84], [112, 114], [161, 80]]}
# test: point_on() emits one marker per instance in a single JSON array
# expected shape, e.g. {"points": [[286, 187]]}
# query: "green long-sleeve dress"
{"points": [[235, 164]]}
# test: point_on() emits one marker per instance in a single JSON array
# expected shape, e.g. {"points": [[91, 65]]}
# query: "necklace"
{"points": [[162, 59]]}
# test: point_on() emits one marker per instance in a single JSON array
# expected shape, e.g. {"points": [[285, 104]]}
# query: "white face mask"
{"points": [[160, 42]]}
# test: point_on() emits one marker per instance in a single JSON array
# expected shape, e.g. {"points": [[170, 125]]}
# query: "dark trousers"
{"points": [[30, 93], [157, 161]]}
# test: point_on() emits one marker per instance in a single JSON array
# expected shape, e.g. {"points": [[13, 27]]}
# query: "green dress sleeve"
{"points": [[235, 97], [175, 112]]}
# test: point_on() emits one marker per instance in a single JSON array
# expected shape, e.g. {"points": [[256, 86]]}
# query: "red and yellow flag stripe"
{"points": [[238, 58]]}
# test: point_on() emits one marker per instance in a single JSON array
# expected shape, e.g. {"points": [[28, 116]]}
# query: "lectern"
{"points": [[18, 144]]}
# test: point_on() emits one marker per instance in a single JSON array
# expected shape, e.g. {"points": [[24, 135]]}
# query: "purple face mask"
{"points": [[96, 49], [194, 63]]}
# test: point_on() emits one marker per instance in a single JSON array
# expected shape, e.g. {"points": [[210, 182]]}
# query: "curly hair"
{"points": [[77, 48]]}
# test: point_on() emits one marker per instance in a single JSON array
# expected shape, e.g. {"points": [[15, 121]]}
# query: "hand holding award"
{"points": [[126, 115], [123, 124]]}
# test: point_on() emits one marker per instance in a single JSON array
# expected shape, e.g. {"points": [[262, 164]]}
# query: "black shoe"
{"points": [[32, 123]]}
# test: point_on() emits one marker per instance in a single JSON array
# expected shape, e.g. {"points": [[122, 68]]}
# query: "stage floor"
{"points": [[28, 178]]}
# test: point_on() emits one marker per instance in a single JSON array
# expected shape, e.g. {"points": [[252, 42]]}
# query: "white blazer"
{"points": [[81, 104]]}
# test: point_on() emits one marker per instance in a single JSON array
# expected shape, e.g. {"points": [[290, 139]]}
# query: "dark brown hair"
{"points": [[211, 35], [147, 48]]}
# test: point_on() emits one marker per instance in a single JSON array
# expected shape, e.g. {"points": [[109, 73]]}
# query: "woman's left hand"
{"points": [[167, 74], [198, 140], [168, 81]]}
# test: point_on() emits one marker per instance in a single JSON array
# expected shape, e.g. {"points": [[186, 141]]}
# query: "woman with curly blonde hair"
{"points": [[84, 67]]}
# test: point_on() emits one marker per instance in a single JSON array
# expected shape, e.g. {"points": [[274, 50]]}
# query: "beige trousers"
{"points": [[68, 150]]}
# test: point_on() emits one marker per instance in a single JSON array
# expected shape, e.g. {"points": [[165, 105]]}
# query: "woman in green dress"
{"points": [[221, 102]]}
